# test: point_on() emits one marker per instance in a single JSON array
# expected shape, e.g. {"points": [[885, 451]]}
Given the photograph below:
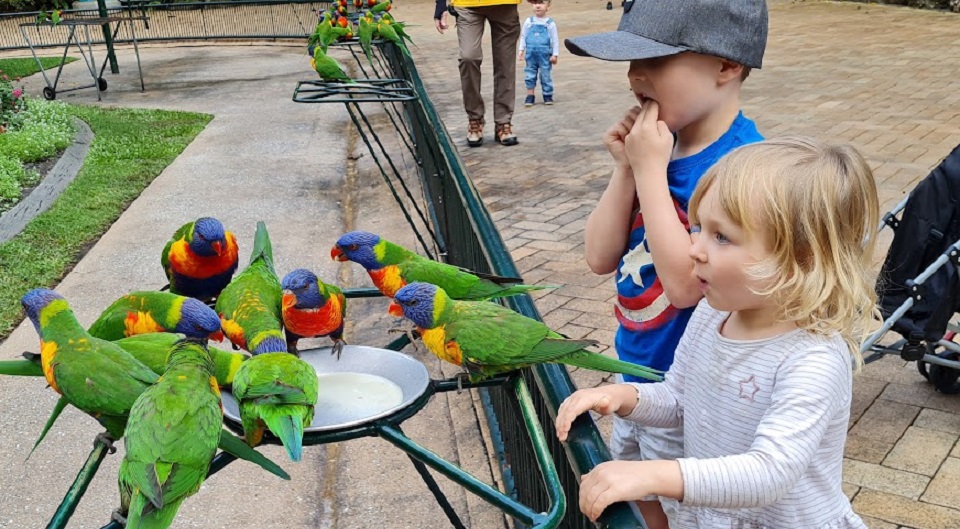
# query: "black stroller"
{"points": [[919, 284]]}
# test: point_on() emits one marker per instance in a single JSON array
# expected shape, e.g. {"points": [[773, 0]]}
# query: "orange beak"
{"points": [[395, 310], [337, 254], [218, 336], [217, 247], [289, 300]]}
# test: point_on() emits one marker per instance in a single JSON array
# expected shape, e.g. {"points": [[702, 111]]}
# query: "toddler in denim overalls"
{"points": [[539, 47]]}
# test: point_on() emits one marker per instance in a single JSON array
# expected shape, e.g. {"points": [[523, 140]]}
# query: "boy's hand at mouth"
{"points": [[649, 144], [615, 136]]}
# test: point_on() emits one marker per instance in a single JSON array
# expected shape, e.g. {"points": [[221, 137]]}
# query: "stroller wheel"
{"points": [[923, 369], [945, 378]]}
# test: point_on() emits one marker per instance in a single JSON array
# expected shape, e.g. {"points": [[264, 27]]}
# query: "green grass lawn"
{"points": [[22, 67], [130, 148]]}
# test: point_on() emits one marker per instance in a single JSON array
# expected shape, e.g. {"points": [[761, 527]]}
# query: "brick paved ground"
{"points": [[878, 77]]}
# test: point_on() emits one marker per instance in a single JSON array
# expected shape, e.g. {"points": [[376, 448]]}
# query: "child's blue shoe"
{"points": [[547, 100], [528, 102]]}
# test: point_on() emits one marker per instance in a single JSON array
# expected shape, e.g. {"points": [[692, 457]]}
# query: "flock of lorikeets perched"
{"points": [[144, 370], [335, 25]]}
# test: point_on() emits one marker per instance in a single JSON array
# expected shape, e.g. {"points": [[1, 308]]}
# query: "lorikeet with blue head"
{"points": [[171, 437], [391, 267], [98, 377], [312, 308], [152, 312], [200, 259], [488, 339], [153, 349], [250, 306], [274, 389]]}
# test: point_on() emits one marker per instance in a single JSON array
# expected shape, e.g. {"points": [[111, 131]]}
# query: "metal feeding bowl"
{"points": [[367, 383]]}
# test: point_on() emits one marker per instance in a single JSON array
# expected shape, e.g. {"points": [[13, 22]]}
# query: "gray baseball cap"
{"points": [[731, 29]]}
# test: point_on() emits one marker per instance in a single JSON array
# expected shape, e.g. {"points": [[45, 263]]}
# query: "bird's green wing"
{"points": [[455, 281], [184, 232], [490, 334]]}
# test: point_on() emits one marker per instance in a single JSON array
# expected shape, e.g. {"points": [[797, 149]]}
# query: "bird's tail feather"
{"points": [[522, 289], [287, 424], [599, 362], [143, 515], [262, 246]]}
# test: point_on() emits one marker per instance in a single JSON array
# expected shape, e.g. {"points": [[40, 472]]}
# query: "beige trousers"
{"points": [[504, 32]]}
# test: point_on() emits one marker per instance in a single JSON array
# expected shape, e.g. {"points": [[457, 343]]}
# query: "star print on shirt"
{"points": [[749, 388], [633, 261]]}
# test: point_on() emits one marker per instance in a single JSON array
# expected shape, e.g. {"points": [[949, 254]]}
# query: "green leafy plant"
{"points": [[12, 101]]}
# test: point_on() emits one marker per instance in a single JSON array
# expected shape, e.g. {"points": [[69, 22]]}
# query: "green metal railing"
{"points": [[471, 240], [236, 20]]}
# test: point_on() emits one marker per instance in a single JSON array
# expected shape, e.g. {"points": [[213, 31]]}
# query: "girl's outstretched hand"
{"points": [[605, 400], [615, 481]]}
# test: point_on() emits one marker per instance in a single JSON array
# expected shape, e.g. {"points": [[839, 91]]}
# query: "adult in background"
{"points": [[504, 32]]}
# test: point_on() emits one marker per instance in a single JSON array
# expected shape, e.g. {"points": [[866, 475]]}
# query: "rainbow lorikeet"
{"points": [[312, 308], [276, 391], [172, 435], [365, 30], [328, 68], [200, 259], [323, 35], [153, 349], [487, 339], [152, 312], [249, 307], [387, 31], [98, 377], [391, 267]]}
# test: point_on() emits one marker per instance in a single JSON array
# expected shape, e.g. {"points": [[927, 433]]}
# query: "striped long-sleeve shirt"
{"points": [[765, 423]]}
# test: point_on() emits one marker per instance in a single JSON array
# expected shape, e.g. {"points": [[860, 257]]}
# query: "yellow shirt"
{"points": [[481, 3]]}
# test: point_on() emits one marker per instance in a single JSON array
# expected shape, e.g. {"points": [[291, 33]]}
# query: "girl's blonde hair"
{"points": [[816, 206]]}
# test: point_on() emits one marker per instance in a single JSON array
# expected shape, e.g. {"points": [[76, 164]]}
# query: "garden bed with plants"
{"points": [[130, 148]]}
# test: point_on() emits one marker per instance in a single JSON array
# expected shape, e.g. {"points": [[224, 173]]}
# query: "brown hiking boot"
{"points": [[475, 133], [505, 135]]}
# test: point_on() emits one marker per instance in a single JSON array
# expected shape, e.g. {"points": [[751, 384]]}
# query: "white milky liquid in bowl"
{"points": [[346, 397]]}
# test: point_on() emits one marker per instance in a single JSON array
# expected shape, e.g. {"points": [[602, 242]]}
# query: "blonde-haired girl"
{"points": [[782, 246]]}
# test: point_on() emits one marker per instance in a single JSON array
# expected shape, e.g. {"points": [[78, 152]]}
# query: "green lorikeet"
{"points": [[365, 32], [249, 307], [323, 35], [200, 259], [487, 339], [152, 312], [95, 376], [391, 267], [153, 349], [381, 6], [388, 32], [312, 308], [328, 68], [277, 391], [98, 377], [172, 435]]}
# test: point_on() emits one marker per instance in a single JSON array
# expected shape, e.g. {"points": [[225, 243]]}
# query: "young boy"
{"points": [[538, 38], [687, 62]]}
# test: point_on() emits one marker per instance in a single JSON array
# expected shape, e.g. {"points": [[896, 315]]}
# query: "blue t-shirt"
{"points": [[650, 327]]}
